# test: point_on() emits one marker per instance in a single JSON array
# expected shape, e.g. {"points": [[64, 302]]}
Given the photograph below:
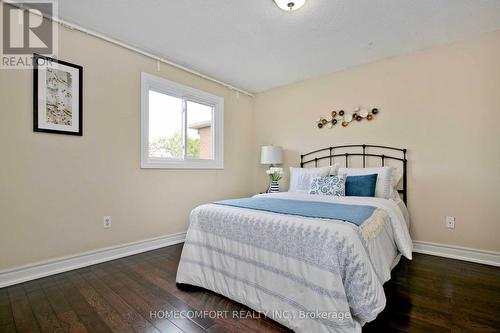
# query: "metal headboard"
{"points": [[363, 151]]}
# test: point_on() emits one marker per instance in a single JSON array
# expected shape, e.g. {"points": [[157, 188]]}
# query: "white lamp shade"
{"points": [[290, 5], [271, 155]]}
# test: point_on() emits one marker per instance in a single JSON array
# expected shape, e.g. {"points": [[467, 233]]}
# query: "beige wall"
{"points": [[55, 189], [443, 104]]}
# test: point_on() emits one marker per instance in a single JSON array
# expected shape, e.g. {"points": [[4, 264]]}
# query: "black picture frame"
{"points": [[37, 61]]}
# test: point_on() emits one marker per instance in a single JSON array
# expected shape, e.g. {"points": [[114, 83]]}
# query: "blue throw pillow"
{"points": [[361, 186]]}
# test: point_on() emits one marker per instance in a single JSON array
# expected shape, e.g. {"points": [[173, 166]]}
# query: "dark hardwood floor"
{"points": [[428, 294]]}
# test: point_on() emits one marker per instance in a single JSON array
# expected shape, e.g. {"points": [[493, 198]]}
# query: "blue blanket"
{"points": [[356, 214]]}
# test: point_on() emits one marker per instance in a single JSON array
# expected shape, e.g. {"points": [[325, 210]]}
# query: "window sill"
{"points": [[207, 165]]}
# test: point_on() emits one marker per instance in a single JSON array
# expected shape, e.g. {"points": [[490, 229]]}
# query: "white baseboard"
{"points": [[457, 252], [64, 264], [59, 265]]}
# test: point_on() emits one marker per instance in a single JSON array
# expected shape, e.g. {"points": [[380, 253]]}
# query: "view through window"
{"points": [[183, 126]]}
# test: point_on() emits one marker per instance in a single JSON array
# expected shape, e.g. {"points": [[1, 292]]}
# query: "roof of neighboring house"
{"points": [[201, 124]]}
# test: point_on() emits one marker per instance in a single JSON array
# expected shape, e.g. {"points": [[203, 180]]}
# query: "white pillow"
{"points": [[300, 178], [334, 169], [387, 179], [397, 177]]}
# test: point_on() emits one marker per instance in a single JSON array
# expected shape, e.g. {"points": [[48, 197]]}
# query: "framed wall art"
{"points": [[57, 96]]}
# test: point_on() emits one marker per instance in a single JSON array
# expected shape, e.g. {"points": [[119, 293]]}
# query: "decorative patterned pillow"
{"points": [[333, 185]]}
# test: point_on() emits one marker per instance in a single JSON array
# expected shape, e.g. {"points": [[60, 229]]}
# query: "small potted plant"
{"points": [[275, 174]]}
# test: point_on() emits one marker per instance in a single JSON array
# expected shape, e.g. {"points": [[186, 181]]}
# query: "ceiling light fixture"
{"points": [[289, 5]]}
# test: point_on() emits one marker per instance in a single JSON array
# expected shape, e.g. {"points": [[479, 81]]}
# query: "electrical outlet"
{"points": [[107, 222], [450, 222]]}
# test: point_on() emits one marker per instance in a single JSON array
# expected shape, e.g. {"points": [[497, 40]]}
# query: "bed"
{"points": [[314, 263]]}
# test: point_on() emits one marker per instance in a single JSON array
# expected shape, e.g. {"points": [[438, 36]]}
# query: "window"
{"points": [[181, 127]]}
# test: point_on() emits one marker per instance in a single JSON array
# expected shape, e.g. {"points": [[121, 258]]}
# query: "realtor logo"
{"points": [[25, 31]]}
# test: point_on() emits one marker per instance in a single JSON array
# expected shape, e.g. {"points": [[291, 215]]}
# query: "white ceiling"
{"points": [[253, 45]]}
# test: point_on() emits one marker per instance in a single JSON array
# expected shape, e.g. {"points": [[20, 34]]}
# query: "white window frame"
{"points": [[161, 85]]}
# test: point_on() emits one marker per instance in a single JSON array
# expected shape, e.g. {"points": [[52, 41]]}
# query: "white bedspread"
{"points": [[311, 275]]}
